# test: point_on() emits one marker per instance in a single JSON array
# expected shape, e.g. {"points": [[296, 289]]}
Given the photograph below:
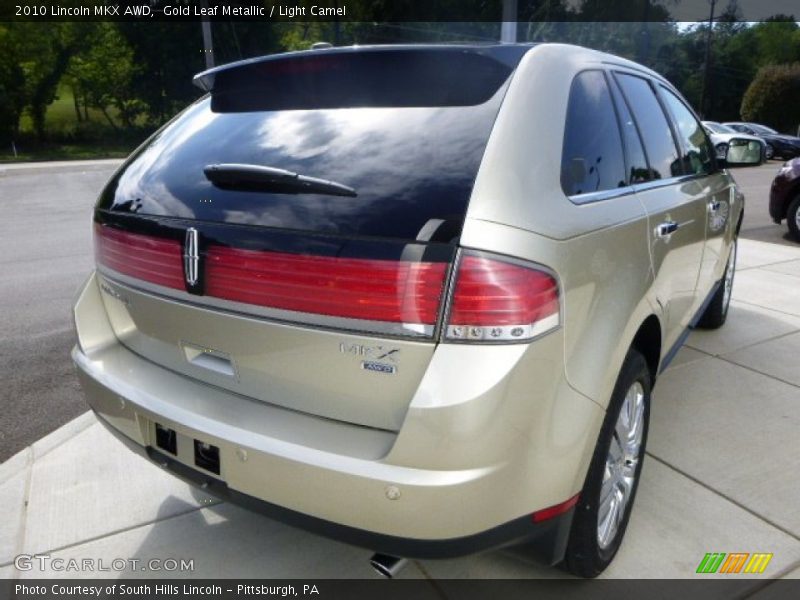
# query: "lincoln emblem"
{"points": [[191, 256]]}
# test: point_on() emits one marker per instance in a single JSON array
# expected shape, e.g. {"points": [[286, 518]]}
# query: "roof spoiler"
{"points": [[509, 54]]}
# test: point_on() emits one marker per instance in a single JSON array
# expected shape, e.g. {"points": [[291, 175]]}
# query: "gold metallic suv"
{"points": [[411, 297]]}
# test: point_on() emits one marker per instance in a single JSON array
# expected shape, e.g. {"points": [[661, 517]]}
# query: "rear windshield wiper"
{"points": [[258, 178]]}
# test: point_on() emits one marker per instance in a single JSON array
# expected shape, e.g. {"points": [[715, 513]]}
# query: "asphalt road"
{"points": [[46, 253]]}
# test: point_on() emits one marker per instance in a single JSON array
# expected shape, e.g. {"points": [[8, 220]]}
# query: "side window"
{"points": [[653, 125], [696, 147], [638, 171], [592, 159]]}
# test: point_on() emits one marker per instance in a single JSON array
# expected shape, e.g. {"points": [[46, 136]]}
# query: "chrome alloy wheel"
{"points": [[621, 464], [728, 283]]}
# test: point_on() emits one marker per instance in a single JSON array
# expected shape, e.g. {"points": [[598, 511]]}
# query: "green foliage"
{"points": [[773, 97], [79, 82], [777, 40], [12, 88], [103, 75], [44, 55]]}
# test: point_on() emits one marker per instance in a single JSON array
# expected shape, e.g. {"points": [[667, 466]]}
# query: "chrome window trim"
{"points": [[658, 183], [416, 331], [590, 197]]}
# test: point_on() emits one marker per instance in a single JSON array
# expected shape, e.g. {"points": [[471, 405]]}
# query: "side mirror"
{"points": [[740, 153]]}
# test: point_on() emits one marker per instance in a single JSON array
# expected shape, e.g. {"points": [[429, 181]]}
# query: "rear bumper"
{"points": [[459, 477], [545, 541]]}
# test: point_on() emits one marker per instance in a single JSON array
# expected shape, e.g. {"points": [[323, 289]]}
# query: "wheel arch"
{"points": [[647, 341]]}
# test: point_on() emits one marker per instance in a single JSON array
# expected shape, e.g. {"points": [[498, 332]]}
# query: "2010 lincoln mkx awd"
{"points": [[411, 297]]}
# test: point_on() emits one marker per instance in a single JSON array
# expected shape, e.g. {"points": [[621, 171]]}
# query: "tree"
{"points": [[778, 40], [103, 76], [168, 55], [12, 87], [44, 54], [772, 97]]}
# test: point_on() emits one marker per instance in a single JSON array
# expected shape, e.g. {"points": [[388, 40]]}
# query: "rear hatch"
{"points": [[289, 236]]}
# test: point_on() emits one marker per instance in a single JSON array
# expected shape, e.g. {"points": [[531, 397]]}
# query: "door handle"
{"points": [[666, 229]]}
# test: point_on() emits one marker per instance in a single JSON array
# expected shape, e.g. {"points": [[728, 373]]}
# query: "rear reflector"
{"points": [[495, 300], [553, 511], [152, 259], [375, 290]]}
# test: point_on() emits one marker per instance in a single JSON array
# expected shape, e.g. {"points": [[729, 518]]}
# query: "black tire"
{"points": [[717, 310], [585, 555], [792, 217]]}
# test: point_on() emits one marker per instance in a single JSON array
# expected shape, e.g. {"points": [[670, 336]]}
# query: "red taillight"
{"points": [[143, 257], [495, 300], [376, 290], [554, 511]]}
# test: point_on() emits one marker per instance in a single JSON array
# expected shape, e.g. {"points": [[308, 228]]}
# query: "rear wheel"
{"points": [[602, 513], [793, 217], [717, 310], [768, 151]]}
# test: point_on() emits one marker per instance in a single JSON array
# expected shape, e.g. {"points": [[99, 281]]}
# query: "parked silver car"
{"points": [[411, 297], [723, 137]]}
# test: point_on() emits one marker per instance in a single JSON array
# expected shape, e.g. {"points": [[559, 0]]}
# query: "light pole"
{"points": [[707, 68], [508, 28], [208, 44]]}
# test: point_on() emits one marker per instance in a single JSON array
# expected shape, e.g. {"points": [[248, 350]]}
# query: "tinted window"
{"points": [[636, 159], [592, 159], [742, 129], [408, 165], [697, 151], [653, 125], [762, 129], [718, 127]]}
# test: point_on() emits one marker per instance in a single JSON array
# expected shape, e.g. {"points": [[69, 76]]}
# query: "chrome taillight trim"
{"points": [[505, 333], [417, 331]]}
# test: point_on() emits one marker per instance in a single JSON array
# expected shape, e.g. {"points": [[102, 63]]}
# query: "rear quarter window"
{"points": [[592, 158]]}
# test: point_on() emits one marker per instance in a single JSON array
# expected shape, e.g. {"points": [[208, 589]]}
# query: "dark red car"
{"points": [[784, 196]]}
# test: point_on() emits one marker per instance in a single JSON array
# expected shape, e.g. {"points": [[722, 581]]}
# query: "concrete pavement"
{"points": [[721, 474]]}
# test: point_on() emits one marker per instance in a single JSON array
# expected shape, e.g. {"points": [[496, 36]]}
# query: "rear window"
{"points": [[405, 130], [380, 78]]}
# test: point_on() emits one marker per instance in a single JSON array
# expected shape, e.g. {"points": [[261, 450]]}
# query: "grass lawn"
{"points": [[65, 133], [64, 152]]}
